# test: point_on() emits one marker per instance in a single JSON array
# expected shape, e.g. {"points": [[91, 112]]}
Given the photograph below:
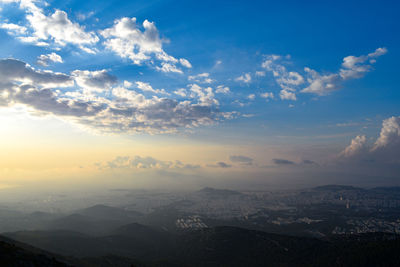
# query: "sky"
{"points": [[184, 94]]}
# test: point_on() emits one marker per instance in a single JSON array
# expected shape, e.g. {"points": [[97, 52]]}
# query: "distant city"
{"points": [[317, 212]]}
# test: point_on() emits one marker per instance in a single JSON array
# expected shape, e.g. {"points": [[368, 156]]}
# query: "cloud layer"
{"points": [[139, 162], [94, 99]]}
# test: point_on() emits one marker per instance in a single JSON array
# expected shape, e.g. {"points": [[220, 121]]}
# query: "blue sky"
{"points": [[235, 73]]}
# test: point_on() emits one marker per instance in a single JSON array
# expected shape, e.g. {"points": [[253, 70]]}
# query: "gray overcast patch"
{"points": [[13, 69], [220, 165], [282, 162], [241, 159], [307, 161]]}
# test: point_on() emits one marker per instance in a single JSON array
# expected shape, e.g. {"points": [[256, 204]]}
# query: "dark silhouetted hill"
{"points": [[16, 254], [219, 246]]}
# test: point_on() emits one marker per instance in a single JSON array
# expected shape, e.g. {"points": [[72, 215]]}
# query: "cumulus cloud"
{"points": [[246, 78], [355, 67], [358, 145], [241, 159], [389, 135], [321, 84], [352, 68], [56, 28], [287, 94], [181, 92], [94, 81], [107, 108], [386, 148], [201, 78], [205, 95], [136, 42], [267, 95], [287, 80], [282, 75], [127, 39], [146, 87], [45, 60], [221, 89], [314, 82]]}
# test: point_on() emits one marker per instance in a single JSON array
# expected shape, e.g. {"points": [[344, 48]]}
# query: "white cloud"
{"points": [[146, 87], [221, 89], [267, 95], [287, 94], [287, 80], [390, 133], [56, 28], [9, 1], [386, 149], [129, 98], [167, 67], [127, 84], [59, 28], [355, 67], [251, 96], [45, 60], [139, 43], [260, 73], [205, 96], [181, 92], [246, 78], [317, 83], [33, 40], [127, 40], [185, 63], [84, 16], [201, 78], [357, 145], [13, 29], [321, 84], [290, 78], [237, 102], [352, 68]]}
